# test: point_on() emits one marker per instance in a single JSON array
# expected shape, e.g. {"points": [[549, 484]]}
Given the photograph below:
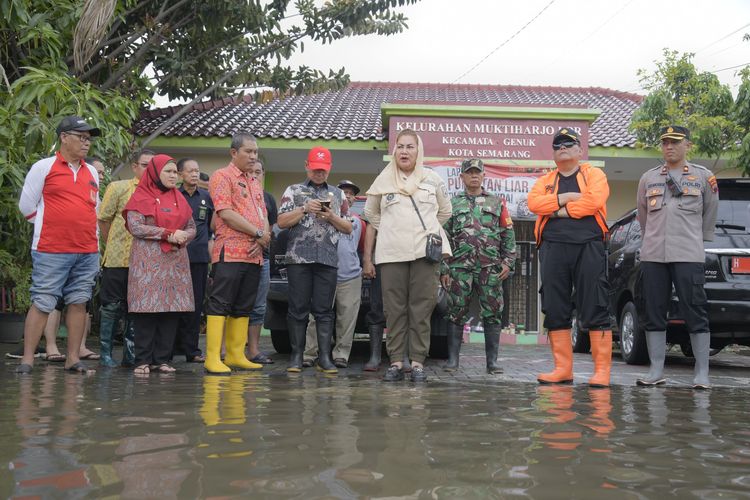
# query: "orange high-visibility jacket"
{"points": [[592, 182]]}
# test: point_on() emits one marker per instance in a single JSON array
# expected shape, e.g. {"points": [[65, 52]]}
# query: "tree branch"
{"points": [[189, 106]]}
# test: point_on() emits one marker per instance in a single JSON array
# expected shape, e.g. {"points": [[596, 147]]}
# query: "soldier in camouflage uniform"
{"points": [[481, 235]]}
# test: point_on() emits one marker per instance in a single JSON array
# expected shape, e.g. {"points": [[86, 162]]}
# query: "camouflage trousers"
{"points": [[483, 282]]}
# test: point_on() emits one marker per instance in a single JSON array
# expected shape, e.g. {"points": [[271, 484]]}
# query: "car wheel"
{"points": [[687, 350], [280, 340], [580, 338], [439, 347], [632, 337]]}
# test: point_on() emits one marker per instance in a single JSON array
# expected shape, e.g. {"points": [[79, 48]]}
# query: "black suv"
{"points": [[276, 309], [727, 279]]}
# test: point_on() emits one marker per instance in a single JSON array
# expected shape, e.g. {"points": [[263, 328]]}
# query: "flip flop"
{"points": [[92, 356], [341, 363], [196, 359], [24, 369], [141, 370], [78, 368], [262, 358], [162, 368], [55, 358]]}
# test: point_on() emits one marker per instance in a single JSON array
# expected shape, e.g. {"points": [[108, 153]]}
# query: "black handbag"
{"points": [[434, 248]]}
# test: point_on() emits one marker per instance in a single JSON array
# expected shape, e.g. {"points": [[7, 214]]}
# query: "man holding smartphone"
{"points": [[315, 213]]}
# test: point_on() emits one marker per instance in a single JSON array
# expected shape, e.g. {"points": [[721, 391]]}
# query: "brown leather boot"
{"points": [[562, 354], [601, 351]]}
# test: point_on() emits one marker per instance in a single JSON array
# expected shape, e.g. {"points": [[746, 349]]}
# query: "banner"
{"points": [[496, 140], [511, 182]]}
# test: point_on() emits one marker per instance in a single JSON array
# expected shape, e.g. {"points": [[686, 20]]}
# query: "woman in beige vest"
{"points": [[410, 282]]}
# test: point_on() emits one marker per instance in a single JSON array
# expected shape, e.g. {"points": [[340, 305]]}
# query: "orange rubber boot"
{"points": [[601, 351], [562, 354]]}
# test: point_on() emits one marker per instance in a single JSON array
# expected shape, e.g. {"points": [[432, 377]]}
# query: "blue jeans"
{"points": [[259, 310], [67, 275]]}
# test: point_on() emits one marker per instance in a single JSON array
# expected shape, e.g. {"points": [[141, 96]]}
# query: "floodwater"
{"points": [[311, 436]]}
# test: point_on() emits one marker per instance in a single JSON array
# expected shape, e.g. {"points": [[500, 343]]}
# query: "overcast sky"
{"points": [[571, 43]]}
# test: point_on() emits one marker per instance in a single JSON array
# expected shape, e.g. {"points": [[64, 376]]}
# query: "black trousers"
{"points": [[154, 337], [235, 285], [376, 316], [689, 279], [114, 286], [312, 288], [564, 266], [190, 322]]}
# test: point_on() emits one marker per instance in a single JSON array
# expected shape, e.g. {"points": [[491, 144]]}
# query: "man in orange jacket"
{"points": [[571, 225]]}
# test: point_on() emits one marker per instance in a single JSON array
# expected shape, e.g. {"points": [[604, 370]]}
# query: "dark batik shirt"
{"points": [[313, 240], [203, 210]]}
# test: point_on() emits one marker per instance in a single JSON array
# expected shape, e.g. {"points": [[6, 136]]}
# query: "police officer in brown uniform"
{"points": [[677, 205]]}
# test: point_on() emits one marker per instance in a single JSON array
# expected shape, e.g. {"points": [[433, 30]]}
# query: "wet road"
{"points": [[269, 435]]}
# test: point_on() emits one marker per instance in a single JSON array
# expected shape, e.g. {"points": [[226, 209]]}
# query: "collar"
{"points": [[134, 181], [62, 160], [309, 183], [185, 191], [483, 193], [685, 170], [236, 171]]}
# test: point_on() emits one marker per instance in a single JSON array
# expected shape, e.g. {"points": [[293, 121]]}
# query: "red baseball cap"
{"points": [[319, 158]]}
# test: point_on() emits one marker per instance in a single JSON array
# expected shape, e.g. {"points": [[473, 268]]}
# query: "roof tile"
{"points": [[354, 111]]}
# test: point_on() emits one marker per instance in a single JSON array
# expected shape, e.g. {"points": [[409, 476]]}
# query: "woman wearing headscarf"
{"points": [[159, 284], [402, 193]]}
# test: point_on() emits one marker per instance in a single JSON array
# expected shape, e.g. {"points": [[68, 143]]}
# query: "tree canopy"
{"points": [[106, 60], [679, 94]]}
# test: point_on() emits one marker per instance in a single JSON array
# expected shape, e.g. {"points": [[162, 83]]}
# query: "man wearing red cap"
{"points": [[315, 213]]}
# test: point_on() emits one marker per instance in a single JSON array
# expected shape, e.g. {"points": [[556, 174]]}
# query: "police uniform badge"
{"points": [[713, 184]]}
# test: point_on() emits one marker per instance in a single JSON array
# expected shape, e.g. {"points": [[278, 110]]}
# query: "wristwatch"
{"points": [[259, 233]]}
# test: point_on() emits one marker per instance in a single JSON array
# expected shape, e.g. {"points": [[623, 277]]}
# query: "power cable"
{"points": [[723, 38], [505, 42], [607, 21]]}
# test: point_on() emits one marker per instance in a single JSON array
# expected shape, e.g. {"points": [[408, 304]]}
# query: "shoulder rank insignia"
{"points": [[712, 183]]}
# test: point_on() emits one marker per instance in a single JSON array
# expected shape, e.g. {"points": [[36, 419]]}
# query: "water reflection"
{"points": [[352, 436]]}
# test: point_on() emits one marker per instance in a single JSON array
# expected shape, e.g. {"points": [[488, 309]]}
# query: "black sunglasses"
{"points": [[566, 145]]}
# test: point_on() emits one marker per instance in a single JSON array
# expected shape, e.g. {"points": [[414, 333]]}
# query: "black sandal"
{"points": [[78, 368]]}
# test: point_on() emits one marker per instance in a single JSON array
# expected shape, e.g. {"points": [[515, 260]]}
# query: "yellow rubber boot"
{"points": [[236, 340], [601, 351], [233, 401], [562, 353], [209, 410], [214, 333]]}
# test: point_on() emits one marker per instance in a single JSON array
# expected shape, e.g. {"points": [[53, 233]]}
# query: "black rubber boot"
{"points": [[109, 315], [376, 346], [297, 331], [128, 343], [325, 338], [491, 346], [455, 337]]}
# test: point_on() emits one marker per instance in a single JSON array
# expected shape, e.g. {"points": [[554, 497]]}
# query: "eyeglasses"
{"points": [[665, 142], [81, 137], [566, 145]]}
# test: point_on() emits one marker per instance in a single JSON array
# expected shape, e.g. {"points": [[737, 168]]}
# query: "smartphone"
{"points": [[326, 204]]}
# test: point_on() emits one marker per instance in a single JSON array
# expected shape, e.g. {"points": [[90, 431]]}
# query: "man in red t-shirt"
{"points": [[60, 197]]}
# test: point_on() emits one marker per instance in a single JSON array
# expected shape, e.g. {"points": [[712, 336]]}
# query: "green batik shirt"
{"points": [[480, 232]]}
